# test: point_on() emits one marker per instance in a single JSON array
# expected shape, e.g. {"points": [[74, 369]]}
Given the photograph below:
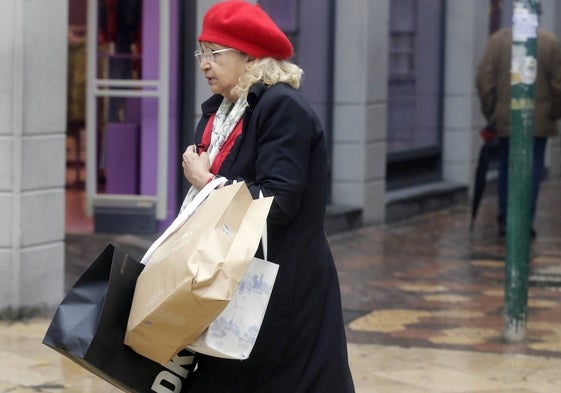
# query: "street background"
{"points": [[423, 302]]}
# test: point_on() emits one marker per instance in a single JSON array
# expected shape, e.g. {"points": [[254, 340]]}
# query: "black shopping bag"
{"points": [[89, 328]]}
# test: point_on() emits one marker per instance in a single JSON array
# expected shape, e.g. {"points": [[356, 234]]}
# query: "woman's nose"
{"points": [[204, 64]]}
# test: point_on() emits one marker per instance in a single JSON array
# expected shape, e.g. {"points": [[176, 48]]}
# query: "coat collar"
{"points": [[211, 105], [254, 94]]}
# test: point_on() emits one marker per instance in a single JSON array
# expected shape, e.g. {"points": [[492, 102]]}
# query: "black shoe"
{"points": [[532, 233], [502, 229]]}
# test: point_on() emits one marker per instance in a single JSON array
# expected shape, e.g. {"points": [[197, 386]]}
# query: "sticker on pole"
{"points": [[524, 24], [523, 69]]}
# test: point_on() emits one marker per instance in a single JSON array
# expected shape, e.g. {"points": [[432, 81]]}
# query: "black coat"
{"points": [[301, 347]]}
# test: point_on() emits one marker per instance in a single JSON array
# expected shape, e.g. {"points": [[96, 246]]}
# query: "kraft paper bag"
{"points": [[89, 327], [190, 277], [233, 333]]}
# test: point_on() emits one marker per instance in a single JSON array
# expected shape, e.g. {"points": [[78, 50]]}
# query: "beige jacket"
{"points": [[493, 83]]}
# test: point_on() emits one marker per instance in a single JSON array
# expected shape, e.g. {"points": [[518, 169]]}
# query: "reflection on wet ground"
{"points": [[430, 282]]}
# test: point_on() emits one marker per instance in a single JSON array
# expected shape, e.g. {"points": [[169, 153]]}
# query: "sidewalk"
{"points": [[423, 301], [429, 295]]}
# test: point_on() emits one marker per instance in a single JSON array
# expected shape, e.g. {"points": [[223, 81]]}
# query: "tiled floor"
{"points": [[424, 300], [431, 283]]}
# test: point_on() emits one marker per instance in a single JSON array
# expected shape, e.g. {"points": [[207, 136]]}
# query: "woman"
{"points": [[258, 128]]}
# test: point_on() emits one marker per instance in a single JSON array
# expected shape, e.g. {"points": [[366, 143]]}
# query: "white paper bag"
{"points": [[233, 333]]}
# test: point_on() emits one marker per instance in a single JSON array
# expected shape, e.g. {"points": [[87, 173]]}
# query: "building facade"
{"points": [[392, 81]]}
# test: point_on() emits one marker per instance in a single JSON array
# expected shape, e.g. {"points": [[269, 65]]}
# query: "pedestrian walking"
{"points": [[493, 87], [258, 128]]}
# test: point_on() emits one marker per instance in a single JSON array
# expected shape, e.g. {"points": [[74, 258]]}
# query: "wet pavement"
{"points": [[423, 301]]}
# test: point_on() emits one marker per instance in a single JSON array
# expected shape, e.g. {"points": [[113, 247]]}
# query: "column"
{"points": [[33, 53], [360, 94], [466, 34]]}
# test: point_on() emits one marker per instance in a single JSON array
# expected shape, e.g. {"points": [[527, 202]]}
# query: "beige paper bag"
{"points": [[192, 275]]}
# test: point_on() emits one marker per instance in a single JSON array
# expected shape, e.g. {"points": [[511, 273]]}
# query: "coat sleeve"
{"points": [[486, 80], [284, 144]]}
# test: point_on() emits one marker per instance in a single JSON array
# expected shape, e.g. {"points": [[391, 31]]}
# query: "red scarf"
{"points": [[223, 153]]}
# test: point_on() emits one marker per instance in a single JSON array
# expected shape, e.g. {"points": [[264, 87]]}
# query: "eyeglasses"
{"points": [[208, 54]]}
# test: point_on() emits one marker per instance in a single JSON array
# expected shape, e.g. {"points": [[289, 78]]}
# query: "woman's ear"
{"points": [[249, 63]]}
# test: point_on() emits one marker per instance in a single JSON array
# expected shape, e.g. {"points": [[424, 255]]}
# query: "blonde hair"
{"points": [[268, 71]]}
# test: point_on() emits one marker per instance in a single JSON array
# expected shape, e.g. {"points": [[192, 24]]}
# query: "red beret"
{"points": [[246, 27]]}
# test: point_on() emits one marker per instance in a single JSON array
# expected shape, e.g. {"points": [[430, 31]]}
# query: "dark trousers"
{"points": [[538, 164]]}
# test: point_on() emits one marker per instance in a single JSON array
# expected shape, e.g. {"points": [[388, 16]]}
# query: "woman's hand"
{"points": [[196, 168]]}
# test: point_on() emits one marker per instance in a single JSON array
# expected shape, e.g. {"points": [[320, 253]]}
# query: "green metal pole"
{"points": [[523, 74]]}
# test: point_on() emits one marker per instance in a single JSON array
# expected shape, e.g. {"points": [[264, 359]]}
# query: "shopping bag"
{"points": [[192, 274], [233, 333], [190, 204], [89, 327]]}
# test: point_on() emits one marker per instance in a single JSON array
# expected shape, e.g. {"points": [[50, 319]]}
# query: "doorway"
{"points": [[115, 139]]}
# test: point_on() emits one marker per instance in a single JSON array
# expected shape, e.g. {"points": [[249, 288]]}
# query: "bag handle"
{"points": [[184, 215], [264, 235]]}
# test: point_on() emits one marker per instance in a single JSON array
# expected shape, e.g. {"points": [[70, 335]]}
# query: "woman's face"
{"points": [[223, 73]]}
